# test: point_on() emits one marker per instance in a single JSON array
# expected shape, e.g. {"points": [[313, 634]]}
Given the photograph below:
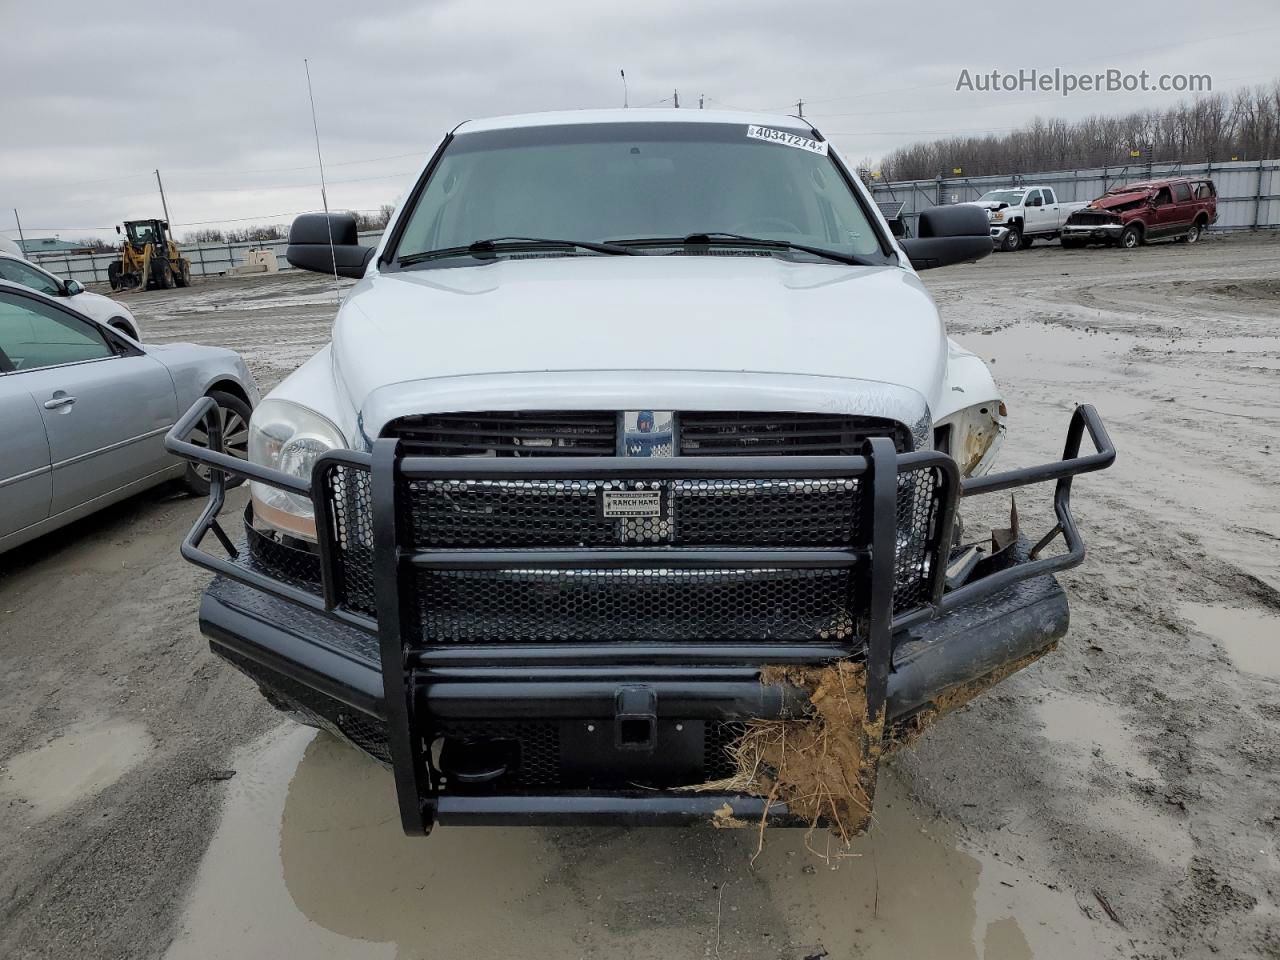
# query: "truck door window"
{"points": [[1204, 191], [1162, 196], [1181, 192], [1033, 198], [1049, 197]]}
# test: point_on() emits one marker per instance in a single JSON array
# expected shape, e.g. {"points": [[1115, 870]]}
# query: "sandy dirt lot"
{"points": [[1120, 798]]}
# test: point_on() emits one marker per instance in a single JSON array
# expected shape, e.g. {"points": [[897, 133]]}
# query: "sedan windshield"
{"points": [[1011, 197], [634, 182]]}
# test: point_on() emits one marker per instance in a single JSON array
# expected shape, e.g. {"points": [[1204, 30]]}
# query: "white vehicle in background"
{"points": [[1020, 216], [23, 272], [9, 247]]}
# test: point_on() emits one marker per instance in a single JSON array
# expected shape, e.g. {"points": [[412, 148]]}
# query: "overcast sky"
{"points": [[96, 95]]}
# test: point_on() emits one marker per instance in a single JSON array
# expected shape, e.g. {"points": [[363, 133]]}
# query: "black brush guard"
{"points": [[429, 684]]}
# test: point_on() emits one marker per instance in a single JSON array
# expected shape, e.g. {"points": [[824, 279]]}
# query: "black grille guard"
{"points": [[872, 561]]}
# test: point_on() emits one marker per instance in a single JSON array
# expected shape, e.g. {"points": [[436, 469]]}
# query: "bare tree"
{"points": [[1216, 127]]}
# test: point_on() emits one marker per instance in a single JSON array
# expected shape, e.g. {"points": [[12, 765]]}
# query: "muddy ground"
{"points": [[1120, 798]]}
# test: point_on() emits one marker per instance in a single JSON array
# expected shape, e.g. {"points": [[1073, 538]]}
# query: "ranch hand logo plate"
{"points": [[631, 503], [787, 139]]}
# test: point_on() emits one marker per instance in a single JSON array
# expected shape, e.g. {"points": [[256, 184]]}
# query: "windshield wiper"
{"points": [[500, 244], [739, 240]]}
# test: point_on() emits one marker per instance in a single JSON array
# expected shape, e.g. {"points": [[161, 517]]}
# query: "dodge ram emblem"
{"points": [[648, 433]]}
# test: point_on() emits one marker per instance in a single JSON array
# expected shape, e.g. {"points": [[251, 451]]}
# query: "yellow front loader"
{"points": [[149, 258]]}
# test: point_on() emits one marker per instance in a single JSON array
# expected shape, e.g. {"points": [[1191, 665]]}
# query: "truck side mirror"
{"points": [[947, 235], [327, 243]]}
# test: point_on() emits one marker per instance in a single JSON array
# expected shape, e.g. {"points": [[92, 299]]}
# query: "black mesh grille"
{"points": [[566, 513], [538, 761], [518, 434], [918, 520], [1091, 219], [537, 747], [720, 735], [515, 606], [529, 605], [351, 508], [295, 566], [706, 434]]}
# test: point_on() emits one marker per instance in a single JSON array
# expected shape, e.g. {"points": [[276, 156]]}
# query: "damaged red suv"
{"points": [[1180, 208]]}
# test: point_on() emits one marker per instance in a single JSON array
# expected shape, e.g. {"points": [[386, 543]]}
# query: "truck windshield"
{"points": [[1011, 197], [635, 181]]}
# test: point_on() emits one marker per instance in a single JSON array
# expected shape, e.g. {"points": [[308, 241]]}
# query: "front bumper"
{"points": [[329, 674], [998, 233], [1093, 231], [571, 709]]}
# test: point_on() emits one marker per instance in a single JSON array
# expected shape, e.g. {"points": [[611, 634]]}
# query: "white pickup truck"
{"points": [[1021, 215], [635, 426]]}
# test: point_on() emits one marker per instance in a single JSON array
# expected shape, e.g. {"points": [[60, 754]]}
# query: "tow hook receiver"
{"points": [[635, 719]]}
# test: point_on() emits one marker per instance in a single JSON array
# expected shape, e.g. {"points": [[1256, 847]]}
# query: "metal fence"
{"points": [[1248, 190], [207, 259]]}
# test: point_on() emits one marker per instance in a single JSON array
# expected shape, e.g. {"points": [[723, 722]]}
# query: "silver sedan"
{"points": [[84, 410]]}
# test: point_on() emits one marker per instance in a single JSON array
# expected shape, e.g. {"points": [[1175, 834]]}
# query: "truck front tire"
{"points": [[1131, 238], [1012, 240]]}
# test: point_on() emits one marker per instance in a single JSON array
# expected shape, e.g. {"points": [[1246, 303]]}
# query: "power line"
{"points": [[260, 216], [299, 186]]}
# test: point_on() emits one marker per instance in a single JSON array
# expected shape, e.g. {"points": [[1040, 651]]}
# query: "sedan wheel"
{"points": [[233, 417]]}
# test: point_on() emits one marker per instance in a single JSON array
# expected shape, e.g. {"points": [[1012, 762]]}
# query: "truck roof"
{"points": [[1153, 184], [631, 115]]}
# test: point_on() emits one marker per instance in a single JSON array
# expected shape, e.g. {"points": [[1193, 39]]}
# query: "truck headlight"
{"points": [[973, 436], [290, 438], [997, 215]]}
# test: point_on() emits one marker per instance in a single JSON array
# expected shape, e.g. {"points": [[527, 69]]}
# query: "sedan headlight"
{"points": [[290, 438]]}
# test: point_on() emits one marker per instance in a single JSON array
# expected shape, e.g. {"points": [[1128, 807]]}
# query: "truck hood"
{"points": [[576, 331], [987, 204], [1114, 200]]}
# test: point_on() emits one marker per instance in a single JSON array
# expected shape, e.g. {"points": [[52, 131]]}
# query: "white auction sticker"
{"points": [[787, 139]]}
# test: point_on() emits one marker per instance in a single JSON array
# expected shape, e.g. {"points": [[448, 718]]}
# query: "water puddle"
{"points": [[910, 891], [1053, 352], [81, 762], [1084, 728], [309, 860], [1250, 637]]}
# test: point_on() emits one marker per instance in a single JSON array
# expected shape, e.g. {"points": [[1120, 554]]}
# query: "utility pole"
{"points": [[624, 88], [163, 204], [701, 97], [675, 95], [22, 240], [800, 108]]}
